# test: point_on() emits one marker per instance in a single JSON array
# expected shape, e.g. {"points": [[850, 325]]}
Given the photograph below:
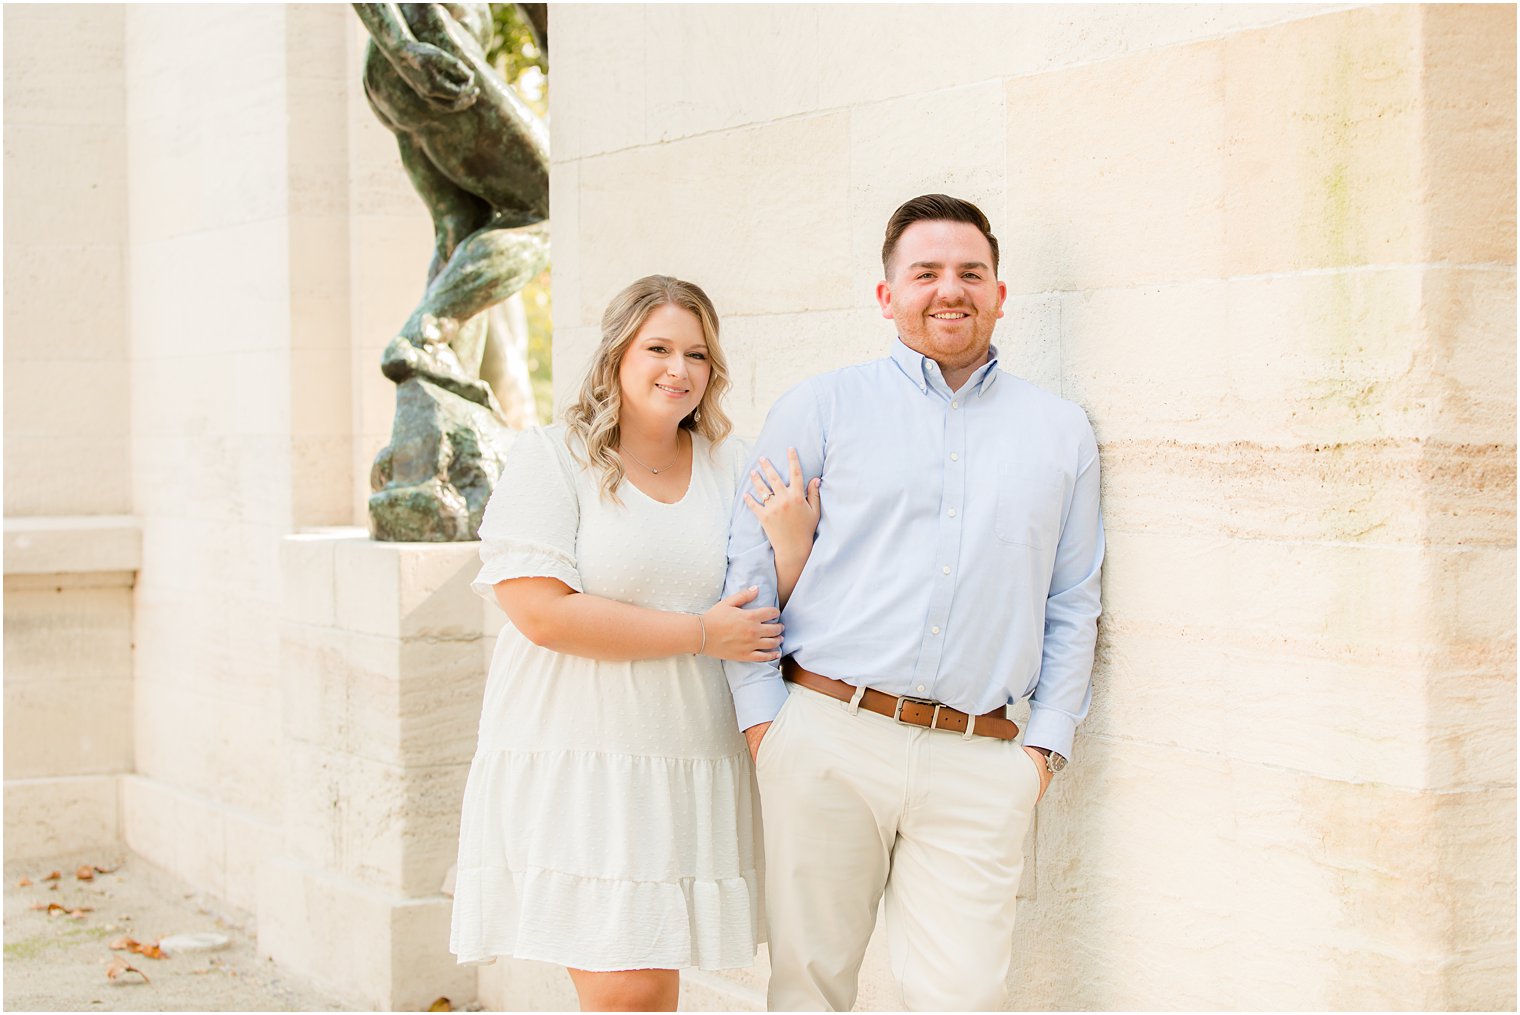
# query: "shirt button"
{"points": [[934, 630], [954, 457], [946, 569], [920, 688], [952, 512], [955, 405]]}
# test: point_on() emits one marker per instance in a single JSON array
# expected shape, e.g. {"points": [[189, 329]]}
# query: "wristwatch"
{"points": [[1053, 761]]}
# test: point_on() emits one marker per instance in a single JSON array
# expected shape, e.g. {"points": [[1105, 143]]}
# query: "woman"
{"points": [[609, 821]]}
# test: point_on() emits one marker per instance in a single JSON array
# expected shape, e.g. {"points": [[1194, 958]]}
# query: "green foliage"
{"points": [[517, 57], [538, 305]]}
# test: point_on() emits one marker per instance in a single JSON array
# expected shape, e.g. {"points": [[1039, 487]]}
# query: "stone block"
{"points": [[732, 256], [389, 827], [889, 138], [211, 740], [521, 985], [770, 353], [323, 481], [59, 633], [574, 347], [1321, 162], [199, 839], [1002, 41], [1165, 347], [1470, 731], [1329, 357], [1468, 77], [53, 319], [308, 575], [1029, 340], [74, 544], [1191, 687], [399, 703], [390, 951], [68, 727], [64, 66], [596, 105], [407, 590], [35, 486], [565, 226], [1468, 360], [64, 180], [33, 406], [1247, 850], [178, 830], [710, 68], [1093, 194], [319, 296], [54, 816]]}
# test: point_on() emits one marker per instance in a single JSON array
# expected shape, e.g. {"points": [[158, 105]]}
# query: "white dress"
{"points": [[610, 818]]}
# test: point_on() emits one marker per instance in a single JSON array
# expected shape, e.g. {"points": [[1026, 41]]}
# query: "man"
{"points": [[955, 570]]}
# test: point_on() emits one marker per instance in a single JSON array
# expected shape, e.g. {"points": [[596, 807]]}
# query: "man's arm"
{"points": [[793, 422], [1064, 691]]}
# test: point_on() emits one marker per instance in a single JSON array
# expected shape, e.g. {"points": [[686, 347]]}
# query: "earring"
{"points": [[696, 415]]}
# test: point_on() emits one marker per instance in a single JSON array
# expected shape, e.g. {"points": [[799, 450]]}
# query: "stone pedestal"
{"points": [[383, 661]]}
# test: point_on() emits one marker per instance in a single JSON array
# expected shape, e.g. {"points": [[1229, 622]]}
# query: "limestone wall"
{"points": [[262, 265], [70, 549], [1271, 251]]}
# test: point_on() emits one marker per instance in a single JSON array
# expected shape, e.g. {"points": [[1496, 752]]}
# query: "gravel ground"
{"points": [[57, 962]]}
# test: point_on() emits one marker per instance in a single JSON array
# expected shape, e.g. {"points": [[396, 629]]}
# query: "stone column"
{"points": [[382, 669]]}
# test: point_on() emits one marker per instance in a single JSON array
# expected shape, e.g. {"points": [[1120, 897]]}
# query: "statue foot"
{"points": [[437, 364]]}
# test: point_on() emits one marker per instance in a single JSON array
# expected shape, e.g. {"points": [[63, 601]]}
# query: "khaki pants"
{"points": [[856, 805]]}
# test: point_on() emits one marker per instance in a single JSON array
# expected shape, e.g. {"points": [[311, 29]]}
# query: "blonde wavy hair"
{"points": [[594, 415]]}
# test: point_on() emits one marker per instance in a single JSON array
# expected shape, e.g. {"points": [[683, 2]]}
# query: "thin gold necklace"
{"points": [[651, 468]]}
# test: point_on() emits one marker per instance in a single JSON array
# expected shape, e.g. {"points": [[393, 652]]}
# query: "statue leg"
{"points": [[490, 265], [456, 213]]}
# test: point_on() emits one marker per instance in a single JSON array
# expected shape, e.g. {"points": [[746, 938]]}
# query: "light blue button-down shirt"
{"points": [[958, 554]]}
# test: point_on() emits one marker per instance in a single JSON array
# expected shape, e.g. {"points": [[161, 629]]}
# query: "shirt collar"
{"points": [[924, 372]]}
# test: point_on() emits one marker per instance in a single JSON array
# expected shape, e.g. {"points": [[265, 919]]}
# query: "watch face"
{"points": [[1056, 762]]}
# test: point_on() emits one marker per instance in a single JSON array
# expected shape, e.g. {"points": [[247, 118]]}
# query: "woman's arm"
{"points": [[788, 513], [554, 616]]}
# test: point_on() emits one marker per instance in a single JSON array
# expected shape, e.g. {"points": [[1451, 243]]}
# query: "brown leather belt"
{"points": [[908, 711]]}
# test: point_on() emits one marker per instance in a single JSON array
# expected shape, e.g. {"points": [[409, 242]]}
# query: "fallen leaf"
{"points": [[79, 913], [53, 907], [442, 1004], [54, 876], [24, 883], [119, 966], [106, 870], [85, 872], [123, 943], [150, 951]]}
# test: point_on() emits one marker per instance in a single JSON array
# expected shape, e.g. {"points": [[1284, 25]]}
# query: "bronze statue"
{"points": [[479, 158]]}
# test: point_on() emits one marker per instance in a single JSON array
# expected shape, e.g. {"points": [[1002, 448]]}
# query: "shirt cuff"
{"points": [[759, 701], [1051, 729]]}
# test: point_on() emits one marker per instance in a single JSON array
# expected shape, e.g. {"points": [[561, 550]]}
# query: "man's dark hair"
{"points": [[934, 207]]}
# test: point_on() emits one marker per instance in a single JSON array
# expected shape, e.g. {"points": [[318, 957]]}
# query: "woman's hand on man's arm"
{"points": [[554, 616]]}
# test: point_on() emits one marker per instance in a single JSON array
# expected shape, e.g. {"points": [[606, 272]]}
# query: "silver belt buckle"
{"points": [[933, 720]]}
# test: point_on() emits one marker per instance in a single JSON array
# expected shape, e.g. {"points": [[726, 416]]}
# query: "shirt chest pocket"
{"points": [[1029, 505]]}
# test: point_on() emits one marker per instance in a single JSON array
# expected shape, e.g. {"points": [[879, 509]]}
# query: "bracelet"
{"points": [[703, 624]]}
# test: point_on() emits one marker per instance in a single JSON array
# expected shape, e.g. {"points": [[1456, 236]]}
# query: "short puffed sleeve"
{"points": [[530, 523]]}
